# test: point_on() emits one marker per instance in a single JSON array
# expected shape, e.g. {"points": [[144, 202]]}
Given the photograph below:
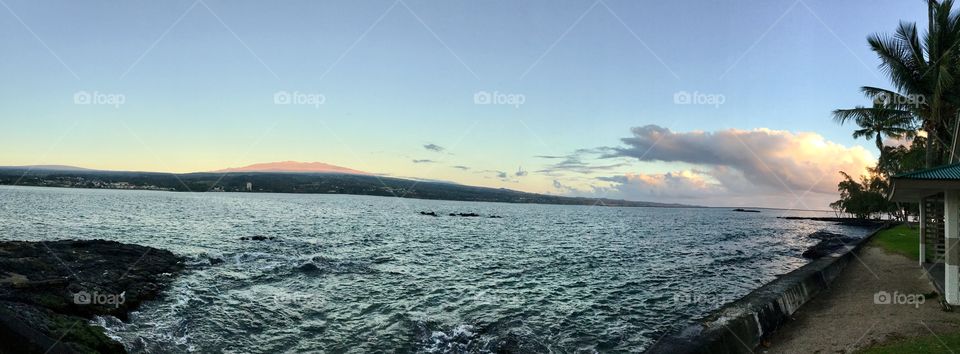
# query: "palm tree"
{"points": [[924, 72], [877, 122]]}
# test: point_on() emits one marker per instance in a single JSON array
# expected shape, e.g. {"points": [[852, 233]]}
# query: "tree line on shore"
{"points": [[920, 109]]}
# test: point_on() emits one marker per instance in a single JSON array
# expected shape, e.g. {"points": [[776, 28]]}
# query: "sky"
{"points": [[721, 103]]}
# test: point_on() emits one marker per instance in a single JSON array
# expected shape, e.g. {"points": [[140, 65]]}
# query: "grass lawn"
{"points": [[901, 239], [927, 344]]}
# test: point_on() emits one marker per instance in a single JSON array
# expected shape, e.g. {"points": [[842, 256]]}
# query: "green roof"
{"points": [[945, 172]]}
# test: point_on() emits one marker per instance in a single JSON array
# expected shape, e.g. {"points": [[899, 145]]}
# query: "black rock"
{"points": [[841, 221], [746, 210], [309, 268], [829, 243], [822, 249], [49, 287], [257, 238], [428, 213], [825, 235]]}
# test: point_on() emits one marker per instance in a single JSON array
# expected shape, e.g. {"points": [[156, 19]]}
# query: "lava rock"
{"points": [[821, 249], [829, 243], [47, 288], [309, 268], [257, 238], [825, 236], [840, 221]]}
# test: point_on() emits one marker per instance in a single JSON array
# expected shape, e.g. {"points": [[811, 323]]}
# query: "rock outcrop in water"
{"points": [[466, 215], [840, 221], [50, 290], [829, 243], [258, 238]]}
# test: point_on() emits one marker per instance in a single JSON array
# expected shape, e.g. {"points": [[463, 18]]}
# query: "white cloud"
{"points": [[759, 167]]}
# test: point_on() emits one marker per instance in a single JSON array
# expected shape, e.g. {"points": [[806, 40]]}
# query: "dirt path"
{"points": [[846, 318]]}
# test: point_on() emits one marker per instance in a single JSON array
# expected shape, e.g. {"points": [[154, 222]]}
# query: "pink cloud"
{"points": [[760, 167]]}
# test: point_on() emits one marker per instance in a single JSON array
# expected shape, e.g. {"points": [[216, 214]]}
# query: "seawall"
{"points": [[739, 327]]}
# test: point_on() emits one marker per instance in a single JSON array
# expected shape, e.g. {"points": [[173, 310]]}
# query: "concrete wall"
{"points": [[739, 327]]}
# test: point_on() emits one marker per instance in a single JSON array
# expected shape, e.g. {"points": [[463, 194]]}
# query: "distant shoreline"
{"points": [[592, 201]]}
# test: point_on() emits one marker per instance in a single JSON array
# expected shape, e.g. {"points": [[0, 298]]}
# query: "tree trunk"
{"points": [[880, 145], [954, 154]]}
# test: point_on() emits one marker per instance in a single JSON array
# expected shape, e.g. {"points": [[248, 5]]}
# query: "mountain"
{"points": [[47, 168], [294, 166], [329, 182]]}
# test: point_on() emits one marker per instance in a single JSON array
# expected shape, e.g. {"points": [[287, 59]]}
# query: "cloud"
{"points": [[520, 172], [741, 161], [576, 162], [424, 161], [434, 147], [501, 175], [687, 184], [461, 167], [568, 190], [694, 187]]}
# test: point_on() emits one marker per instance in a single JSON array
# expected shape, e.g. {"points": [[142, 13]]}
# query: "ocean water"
{"points": [[370, 274]]}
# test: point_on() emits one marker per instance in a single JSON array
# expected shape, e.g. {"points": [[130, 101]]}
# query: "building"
{"points": [[937, 190], [249, 187]]}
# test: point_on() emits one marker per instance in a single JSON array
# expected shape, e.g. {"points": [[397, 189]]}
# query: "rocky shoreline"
{"points": [[840, 221], [827, 244], [49, 291]]}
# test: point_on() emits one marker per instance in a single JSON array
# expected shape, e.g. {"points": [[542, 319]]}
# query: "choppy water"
{"points": [[370, 274]]}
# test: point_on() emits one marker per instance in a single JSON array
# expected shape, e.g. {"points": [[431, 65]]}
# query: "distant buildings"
{"points": [[85, 182], [249, 186]]}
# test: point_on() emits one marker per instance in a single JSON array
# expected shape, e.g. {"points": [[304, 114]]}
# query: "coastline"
{"points": [[50, 290], [333, 261], [294, 182], [849, 318], [589, 202], [743, 325]]}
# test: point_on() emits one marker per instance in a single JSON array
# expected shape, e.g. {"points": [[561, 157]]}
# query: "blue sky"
{"points": [[198, 80]]}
